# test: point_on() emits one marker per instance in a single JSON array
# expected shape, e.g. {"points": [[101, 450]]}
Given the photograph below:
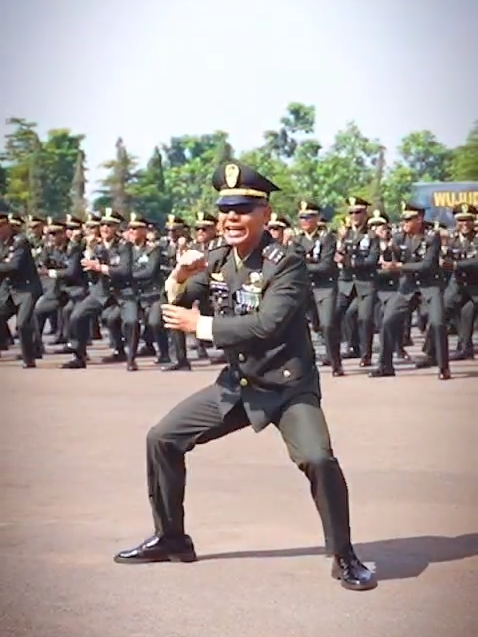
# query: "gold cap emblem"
{"points": [[30, 218], [200, 216], [170, 219], [376, 214], [465, 208], [133, 217], [352, 201], [404, 206], [274, 217], [108, 213], [68, 218], [49, 221], [231, 175], [303, 206]]}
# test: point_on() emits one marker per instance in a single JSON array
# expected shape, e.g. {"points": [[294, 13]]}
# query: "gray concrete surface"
{"points": [[73, 493]]}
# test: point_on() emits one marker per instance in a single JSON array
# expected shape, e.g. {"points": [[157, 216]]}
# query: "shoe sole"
{"points": [[185, 558]]}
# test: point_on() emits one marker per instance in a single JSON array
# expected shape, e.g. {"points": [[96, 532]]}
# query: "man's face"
{"points": [[108, 231], [412, 225], [244, 224], [357, 217], [308, 222], [137, 235], [466, 226]]}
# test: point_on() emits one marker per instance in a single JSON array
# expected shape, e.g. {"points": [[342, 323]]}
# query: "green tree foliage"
{"points": [[421, 157], [465, 164], [48, 175]]}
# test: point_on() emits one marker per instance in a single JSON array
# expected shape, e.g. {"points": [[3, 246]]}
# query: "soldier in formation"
{"points": [[369, 277]]}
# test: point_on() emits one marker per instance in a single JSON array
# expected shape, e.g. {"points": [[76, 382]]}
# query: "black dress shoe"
{"points": [[352, 574], [29, 364], [132, 366], [115, 357], [337, 371], [425, 363], [365, 361], [380, 372], [180, 366], [444, 374], [159, 549], [75, 363], [163, 359], [462, 355], [350, 353]]}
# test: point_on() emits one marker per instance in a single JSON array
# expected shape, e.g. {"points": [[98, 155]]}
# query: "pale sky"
{"points": [[151, 69]]}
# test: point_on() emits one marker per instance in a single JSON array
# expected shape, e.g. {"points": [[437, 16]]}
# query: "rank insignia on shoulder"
{"points": [[274, 253]]}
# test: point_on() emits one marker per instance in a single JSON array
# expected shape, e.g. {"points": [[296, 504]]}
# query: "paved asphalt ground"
{"points": [[72, 485]]}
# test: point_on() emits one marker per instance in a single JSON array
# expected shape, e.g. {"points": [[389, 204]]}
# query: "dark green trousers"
{"points": [[197, 420]]}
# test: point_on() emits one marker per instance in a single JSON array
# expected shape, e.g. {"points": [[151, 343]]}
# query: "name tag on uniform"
{"points": [[114, 259], [364, 243], [144, 258]]}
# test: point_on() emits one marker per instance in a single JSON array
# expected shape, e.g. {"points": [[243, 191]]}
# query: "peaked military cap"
{"points": [[357, 203], [73, 222], [205, 220], [410, 210], [92, 220], [307, 208], [12, 218], [277, 221], [54, 225], [174, 222], [239, 184], [110, 216], [378, 218], [464, 212], [137, 221], [35, 220]]}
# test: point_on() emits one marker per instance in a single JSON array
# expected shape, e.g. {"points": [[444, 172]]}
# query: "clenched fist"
{"points": [[189, 263]]}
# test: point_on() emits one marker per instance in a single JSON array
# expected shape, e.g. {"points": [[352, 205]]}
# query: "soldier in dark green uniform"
{"points": [[20, 285], [387, 280], [148, 283], [357, 256], [205, 232], [319, 245], [110, 281], [417, 261], [259, 290], [461, 294], [62, 265], [176, 227]]}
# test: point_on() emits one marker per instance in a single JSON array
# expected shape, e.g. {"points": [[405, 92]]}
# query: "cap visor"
{"points": [[236, 200]]}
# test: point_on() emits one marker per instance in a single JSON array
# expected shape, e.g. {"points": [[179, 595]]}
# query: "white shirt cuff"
{"points": [[52, 274], [204, 328], [173, 288]]}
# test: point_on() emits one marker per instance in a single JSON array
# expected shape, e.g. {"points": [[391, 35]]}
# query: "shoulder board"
{"points": [[274, 253]]}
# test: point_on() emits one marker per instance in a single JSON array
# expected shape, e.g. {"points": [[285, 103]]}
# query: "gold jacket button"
{"points": [[241, 357], [243, 382], [286, 373]]}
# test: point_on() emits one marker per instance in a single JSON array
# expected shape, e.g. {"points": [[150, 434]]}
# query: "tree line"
{"points": [[49, 176]]}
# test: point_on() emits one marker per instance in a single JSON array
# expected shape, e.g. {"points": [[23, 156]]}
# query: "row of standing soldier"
{"points": [[368, 276]]}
